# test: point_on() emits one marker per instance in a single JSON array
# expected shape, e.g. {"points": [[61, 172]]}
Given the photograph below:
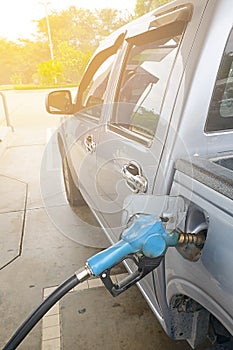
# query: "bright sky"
{"points": [[16, 16]]}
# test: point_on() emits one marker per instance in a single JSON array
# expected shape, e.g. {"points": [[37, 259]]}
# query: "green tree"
{"points": [[9, 56], [31, 54], [50, 72], [76, 33], [73, 61], [144, 6], [109, 20], [74, 26], [81, 28], [21, 58]]}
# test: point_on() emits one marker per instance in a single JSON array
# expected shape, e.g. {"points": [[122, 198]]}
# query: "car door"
{"points": [[130, 142], [83, 128]]}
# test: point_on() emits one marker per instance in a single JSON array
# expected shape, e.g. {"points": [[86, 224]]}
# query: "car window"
{"points": [[220, 115], [143, 83], [93, 87], [94, 94]]}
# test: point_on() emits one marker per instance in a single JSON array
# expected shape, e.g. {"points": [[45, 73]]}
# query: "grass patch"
{"points": [[36, 87]]}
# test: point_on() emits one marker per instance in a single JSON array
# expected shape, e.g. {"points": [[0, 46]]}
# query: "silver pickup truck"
{"points": [[152, 120]]}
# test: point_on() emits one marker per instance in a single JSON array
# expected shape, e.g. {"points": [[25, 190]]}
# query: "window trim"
{"points": [[93, 66], [159, 33], [84, 116], [208, 117], [145, 141], [182, 25]]}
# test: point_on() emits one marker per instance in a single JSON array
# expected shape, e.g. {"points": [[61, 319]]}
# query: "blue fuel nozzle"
{"points": [[145, 235]]}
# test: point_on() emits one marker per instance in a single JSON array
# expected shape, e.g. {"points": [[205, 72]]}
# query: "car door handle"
{"points": [[132, 172], [89, 144]]}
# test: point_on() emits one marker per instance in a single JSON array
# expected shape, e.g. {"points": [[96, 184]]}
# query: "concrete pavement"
{"points": [[34, 252]]}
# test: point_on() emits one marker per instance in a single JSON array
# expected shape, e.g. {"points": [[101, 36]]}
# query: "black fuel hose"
{"points": [[41, 310]]}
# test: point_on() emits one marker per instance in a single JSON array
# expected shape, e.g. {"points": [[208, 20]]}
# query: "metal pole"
{"points": [[7, 117], [49, 33], [48, 26]]}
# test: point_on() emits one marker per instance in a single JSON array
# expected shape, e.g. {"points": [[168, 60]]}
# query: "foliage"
{"points": [[82, 28], [144, 6], [75, 32], [20, 59], [109, 20], [16, 78], [76, 26], [8, 58], [73, 60], [50, 72]]}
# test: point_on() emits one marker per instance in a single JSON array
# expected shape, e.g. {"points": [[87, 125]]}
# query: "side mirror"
{"points": [[59, 102]]}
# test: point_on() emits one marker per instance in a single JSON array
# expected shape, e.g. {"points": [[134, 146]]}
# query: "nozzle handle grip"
{"points": [[109, 257]]}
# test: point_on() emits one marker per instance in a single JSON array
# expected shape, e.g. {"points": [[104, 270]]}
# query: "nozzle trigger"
{"points": [[145, 265]]}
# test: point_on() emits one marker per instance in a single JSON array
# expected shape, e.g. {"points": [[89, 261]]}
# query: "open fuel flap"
{"points": [[171, 210]]}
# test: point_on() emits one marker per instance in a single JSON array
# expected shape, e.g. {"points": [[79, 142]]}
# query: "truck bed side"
{"points": [[207, 186]]}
